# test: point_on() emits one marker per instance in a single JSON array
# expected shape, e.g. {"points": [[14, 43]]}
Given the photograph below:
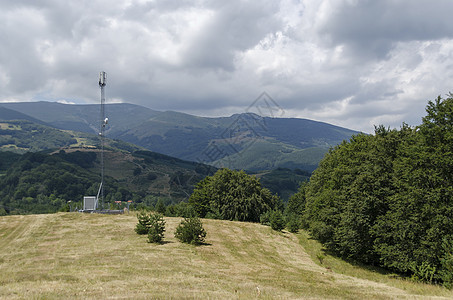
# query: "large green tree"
{"points": [[348, 192], [418, 221], [387, 198], [232, 195]]}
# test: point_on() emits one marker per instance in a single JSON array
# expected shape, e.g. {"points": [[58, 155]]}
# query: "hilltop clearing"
{"points": [[73, 255]]}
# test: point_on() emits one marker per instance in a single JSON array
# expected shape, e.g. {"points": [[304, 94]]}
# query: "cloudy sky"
{"points": [[352, 63]]}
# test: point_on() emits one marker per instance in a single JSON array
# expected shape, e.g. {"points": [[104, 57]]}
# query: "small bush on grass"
{"points": [[293, 223], [157, 228], [446, 273], [143, 224], [277, 221], [190, 231], [152, 224], [265, 218]]}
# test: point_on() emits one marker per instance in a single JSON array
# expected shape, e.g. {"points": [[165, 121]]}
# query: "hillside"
{"points": [[9, 114], [282, 181], [20, 136], [44, 182], [199, 139], [268, 154], [84, 118], [90, 256]]}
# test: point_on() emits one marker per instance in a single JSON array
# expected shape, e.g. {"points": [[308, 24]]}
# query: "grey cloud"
{"points": [[316, 96], [18, 54], [372, 28], [377, 91], [154, 57], [236, 26]]}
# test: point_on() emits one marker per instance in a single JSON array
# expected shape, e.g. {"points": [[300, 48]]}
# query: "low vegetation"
{"points": [[92, 256], [156, 228], [276, 220], [151, 224], [191, 231]]}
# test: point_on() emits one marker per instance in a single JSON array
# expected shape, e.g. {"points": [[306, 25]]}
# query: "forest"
{"points": [[387, 199], [44, 183]]}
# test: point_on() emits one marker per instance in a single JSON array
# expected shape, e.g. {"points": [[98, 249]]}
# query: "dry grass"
{"points": [[71, 255]]}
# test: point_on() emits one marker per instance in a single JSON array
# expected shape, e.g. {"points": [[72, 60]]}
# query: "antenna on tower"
{"points": [[104, 121]]}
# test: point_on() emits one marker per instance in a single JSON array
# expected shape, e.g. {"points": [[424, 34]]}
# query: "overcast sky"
{"points": [[350, 63]]}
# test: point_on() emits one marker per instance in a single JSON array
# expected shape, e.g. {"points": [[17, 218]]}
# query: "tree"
{"points": [[144, 223], [160, 206], [201, 197], [293, 223], [156, 228], [191, 231], [296, 203], [3, 211], [348, 192], [387, 199], [276, 220], [410, 235], [232, 195]]}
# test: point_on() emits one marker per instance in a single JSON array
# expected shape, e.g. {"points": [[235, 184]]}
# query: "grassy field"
{"points": [[72, 255]]}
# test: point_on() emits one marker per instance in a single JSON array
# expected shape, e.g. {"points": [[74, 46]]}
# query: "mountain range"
{"points": [[241, 141]]}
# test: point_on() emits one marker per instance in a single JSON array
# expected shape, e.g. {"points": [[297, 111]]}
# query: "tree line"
{"points": [[387, 199]]}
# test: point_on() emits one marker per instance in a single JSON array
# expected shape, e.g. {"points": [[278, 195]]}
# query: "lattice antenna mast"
{"points": [[104, 121]]}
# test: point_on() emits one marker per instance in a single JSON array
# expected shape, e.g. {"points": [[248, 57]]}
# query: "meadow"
{"points": [[75, 255]]}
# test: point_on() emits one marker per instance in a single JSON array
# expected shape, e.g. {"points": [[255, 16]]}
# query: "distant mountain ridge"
{"points": [[241, 141], [10, 114]]}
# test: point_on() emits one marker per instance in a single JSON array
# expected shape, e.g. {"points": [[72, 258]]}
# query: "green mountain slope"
{"points": [[84, 118], [144, 173], [268, 154], [191, 138], [43, 182], [25, 136], [282, 181], [9, 114]]}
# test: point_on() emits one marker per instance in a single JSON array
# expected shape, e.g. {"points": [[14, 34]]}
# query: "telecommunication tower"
{"points": [[104, 122]]}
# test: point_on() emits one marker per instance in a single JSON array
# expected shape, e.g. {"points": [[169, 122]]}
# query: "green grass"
{"points": [[8, 126], [335, 264], [72, 255]]}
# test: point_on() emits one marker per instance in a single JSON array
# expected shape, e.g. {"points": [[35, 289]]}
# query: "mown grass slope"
{"points": [[73, 255]]}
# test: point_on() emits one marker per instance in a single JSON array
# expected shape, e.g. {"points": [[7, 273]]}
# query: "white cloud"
{"points": [[351, 63]]}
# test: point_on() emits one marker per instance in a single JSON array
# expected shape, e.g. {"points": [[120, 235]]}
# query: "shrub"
{"points": [[160, 206], [190, 231], [293, 223], [143, 224], [156, 228], [446, 273], [422, 272], [265, 218], [276, 220], [3, 212]]}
